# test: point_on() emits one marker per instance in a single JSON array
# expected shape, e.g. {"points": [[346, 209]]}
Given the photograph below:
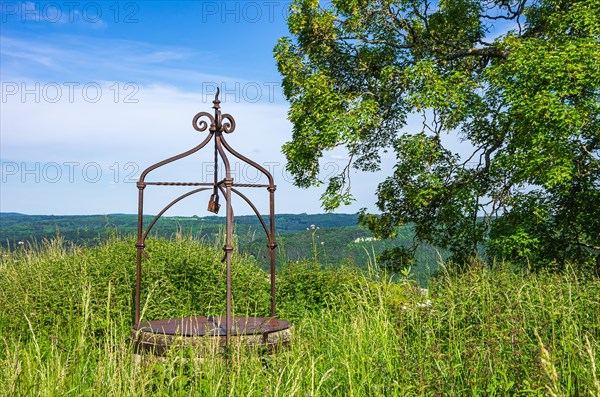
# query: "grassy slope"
{"points": [[65, 319]]}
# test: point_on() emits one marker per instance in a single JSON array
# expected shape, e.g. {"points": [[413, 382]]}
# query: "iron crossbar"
{"points": [[204, 184]]}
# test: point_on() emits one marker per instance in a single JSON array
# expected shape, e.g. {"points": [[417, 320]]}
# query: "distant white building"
{"points": [[364, 239]]}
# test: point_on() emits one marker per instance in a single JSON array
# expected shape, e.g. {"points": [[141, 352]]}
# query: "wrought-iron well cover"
{"points": [[216, 124]]}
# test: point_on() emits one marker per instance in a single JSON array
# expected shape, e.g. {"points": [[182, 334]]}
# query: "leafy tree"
{"points": [[517, 81]]}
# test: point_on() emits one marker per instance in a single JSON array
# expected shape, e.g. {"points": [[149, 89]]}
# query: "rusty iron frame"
{"points": [[219, 123]]}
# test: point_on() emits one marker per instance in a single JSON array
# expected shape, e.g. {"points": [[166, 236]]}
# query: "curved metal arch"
{"points": [[178, 199], [174, 158], [223, 155], [258, 215], [171, 204], [248, 161]]}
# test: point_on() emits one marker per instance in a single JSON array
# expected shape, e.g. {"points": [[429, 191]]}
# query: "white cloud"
{"points": [[68, 150], [106, 136]]}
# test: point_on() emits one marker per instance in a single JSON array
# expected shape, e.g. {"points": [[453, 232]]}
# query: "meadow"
{"points": [[66, 316]]}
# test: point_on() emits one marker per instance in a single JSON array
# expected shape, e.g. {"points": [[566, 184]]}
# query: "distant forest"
{"points": [[338, 238]]}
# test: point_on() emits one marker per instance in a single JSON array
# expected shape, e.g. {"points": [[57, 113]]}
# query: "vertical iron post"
{"points": [[140, 245], [272, 244], [228, 248]]}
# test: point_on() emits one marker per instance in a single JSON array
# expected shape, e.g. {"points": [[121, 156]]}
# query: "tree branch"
{"points": [[479, 52], [385, 42]]}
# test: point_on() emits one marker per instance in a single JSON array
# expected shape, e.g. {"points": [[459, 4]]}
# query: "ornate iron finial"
{"points": [[216, 102], [218, 123]]}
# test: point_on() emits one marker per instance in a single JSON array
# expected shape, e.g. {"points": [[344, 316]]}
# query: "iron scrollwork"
{"points": [[218, 123], [201, 125]]}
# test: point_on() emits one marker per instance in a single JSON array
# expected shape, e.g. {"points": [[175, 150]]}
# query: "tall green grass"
{"points": [[65, 319]]}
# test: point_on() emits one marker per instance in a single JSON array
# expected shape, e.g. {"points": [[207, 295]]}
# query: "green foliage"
{"points": [[65, 320], [181, 277], [396, 260], [306, 287], [487, 324], [339, 239], [355, 245], [526, 102]]}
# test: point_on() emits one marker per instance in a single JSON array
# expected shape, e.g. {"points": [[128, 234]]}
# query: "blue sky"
{"points": [[94, 92]]}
